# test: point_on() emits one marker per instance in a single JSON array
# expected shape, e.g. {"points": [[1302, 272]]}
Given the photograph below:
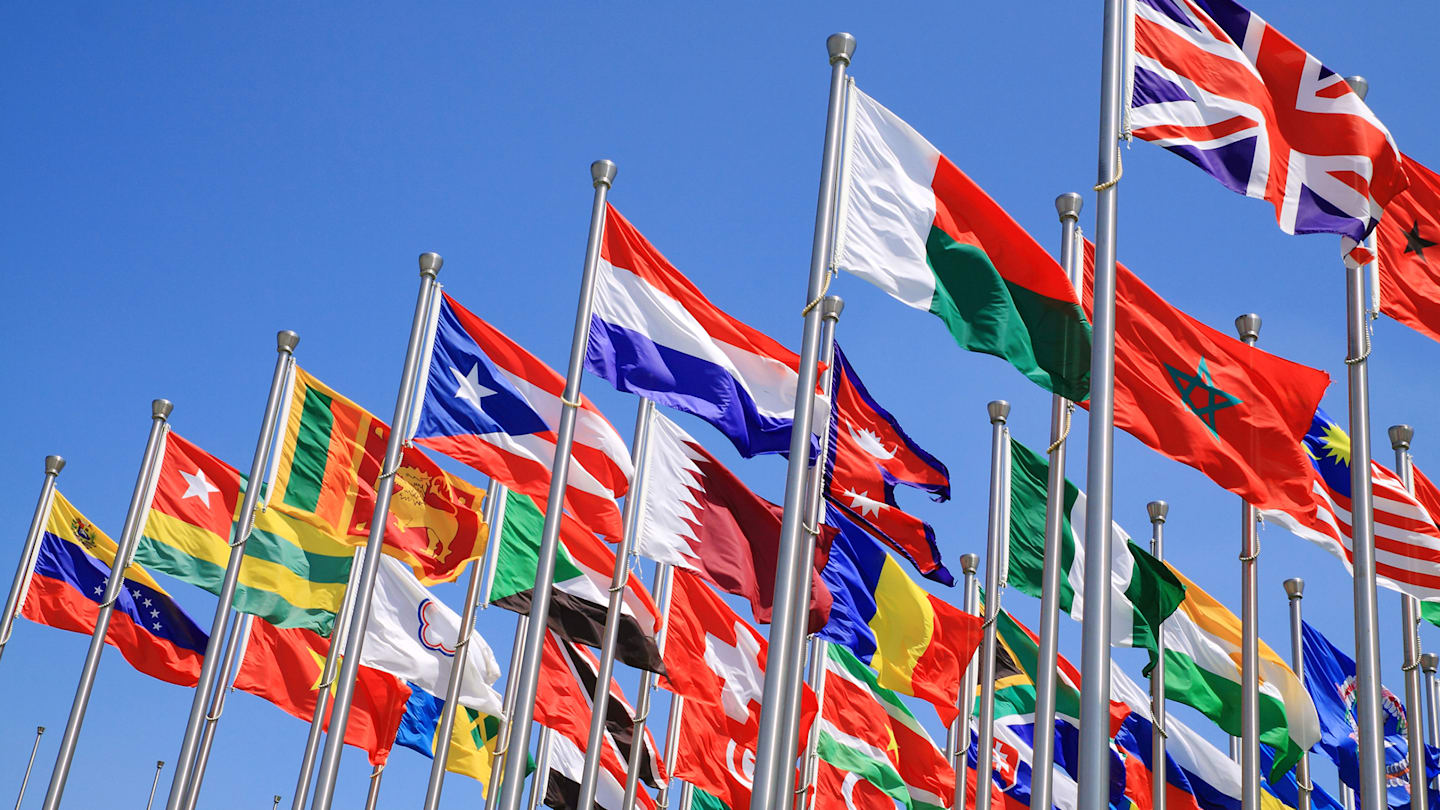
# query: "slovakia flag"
{"points": [[493, 405], [653, 333]]}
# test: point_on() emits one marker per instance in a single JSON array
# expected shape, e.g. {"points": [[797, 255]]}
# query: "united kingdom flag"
{"points": [[1220, 87]]}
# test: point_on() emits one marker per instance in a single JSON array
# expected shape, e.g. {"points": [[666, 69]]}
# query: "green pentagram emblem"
{"points": [[1200, 394]]}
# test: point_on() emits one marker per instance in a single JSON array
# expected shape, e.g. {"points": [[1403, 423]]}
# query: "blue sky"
{"points": [[183, 181]]}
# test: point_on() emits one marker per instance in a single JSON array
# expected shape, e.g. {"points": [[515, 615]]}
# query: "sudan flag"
{"points": [[1408, 239], [915, 226]]}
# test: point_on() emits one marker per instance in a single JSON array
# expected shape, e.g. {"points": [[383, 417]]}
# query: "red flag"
{"points": [[1408, 241], [1205, 399], [844, 790]]}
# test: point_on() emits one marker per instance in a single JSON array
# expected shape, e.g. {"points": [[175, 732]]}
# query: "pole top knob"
{"points": [[602, 173], [159, 763], [1295, 588], [970, 563], [286, 341], [831, 306], [161, 408], [430, 264], [1068, 205], [39, 729], [1400, 436], [841, 47], [999, 411], [1248, 327], [1429, 662], [1158, 511], [54, 464], [1360, 85]]}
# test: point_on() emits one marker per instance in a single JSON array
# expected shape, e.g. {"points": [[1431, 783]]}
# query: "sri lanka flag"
{"points": [[66, 586]]}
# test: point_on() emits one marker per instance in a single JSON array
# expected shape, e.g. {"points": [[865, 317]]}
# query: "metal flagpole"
{"points": [[499, 493], [1367, 640], [492, 790], [664, 576], [1295, 590], [1158, 512], [1429, 662], [355, 634], [541, 781], [239, 634], [830, 308], [322, 689], [1346, 796], [600, 697], [493, 518], [602, 174], [819, 658], [31, 549], [995, 554], [1248, 328], [277, 802], [672, 745], [1068, 206], [770, 770], [154, 783], [373, 797], [124, 550], [958, 736], [24, 781], [1400, 438], [1234, 749], [285, 343]]}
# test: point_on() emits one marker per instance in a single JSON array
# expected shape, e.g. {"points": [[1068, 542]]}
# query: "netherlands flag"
{"points": [[653, 333]]}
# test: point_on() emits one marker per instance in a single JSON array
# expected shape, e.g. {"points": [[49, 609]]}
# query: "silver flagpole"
{"points": [[672, 746], [819, 659], [600, 697], [500, 493], [664, 576], [602, 174], [1367, 639], [355, 634], [285, 343], [238, 635], [494, 515], [959, 733], [24, 781], [1429, 662], [831, 306], [31, 549], [1295, 590], [322, 690], [1400, 438], [372, 798], [1248, 328], [1068, 206], [492, 790], [770, 770], [154, 783], [542, 768], [1346, 796], [124, 550], [1158, 512], [277, 801], [1234, 749], [995, 554]]}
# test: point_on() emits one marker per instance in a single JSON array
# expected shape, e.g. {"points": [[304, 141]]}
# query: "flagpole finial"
{"points": [[602, 172], [286, 341], [1360, 85], [161, 408], [1068, 205], [1400, 436], [831, 306], [1295, 588], [969, 563], [430, 264], [1158, 511], [1248, 327], [54, 464], [1429, 662], [841, 47], [999, 411]]}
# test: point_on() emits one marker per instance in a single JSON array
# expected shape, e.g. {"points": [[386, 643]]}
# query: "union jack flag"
{"points": [[1220, 87]]}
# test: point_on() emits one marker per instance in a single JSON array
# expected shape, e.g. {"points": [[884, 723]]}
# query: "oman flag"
{"points": [[915, 226]]}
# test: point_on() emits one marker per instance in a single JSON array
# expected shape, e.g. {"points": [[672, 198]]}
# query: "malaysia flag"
{"points": [[494, 406]]}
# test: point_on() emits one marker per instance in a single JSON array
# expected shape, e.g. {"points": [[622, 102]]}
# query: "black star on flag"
{"points": [[1415, 243], [1200, 394]]}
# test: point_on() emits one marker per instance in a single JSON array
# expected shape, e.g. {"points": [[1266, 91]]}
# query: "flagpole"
{"points": [[672, 745], [39, 730], [1068, 206], [500, 493], [1295, 590], [372, 798], [995, 554], [124, 550], [600, 698], [430, 264], [770, 747], [831, 306], [154, 783], [541, 782], [664, 577], [1158, 512], [492, 790], [959, 732], [494, 516], [31, 550], [239, 634], [819, 659], [1400, 438], [602, 174], [1248, 328], [1429, 662]]}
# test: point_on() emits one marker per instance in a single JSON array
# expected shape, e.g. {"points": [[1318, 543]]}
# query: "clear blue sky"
{"points": [[181, 182]]}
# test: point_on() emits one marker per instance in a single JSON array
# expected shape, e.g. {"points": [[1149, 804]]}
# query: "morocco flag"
{"points": [[915, 226], [1408, 238]]}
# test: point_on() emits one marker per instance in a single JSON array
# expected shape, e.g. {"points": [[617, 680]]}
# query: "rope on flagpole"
{"points": [[1119, 173], [1064, 431], [1369, 333], [823, 288]]}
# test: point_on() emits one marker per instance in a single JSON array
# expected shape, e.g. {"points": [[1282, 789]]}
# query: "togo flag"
{"points": [[915, 226], [1143, 591]]}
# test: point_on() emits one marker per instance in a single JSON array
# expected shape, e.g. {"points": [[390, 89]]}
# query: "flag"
{"points": [[474, 738], [697, 515], [918, 643], [286, 667], [580, 596], [72, 567], [1206, 399], [1220, 87], [493, 405], [837, 789], [292, 575], [869, 455], [332, 454], [653, 333], [411, 635], [1407, 540], [1143, 592], [1409, 267], [865, 729], [914, 225]]}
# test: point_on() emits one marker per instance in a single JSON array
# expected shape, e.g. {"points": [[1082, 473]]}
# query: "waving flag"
{"points": [[493, 405], [474, 738], [870, 454], [655, 334], [1220, 87], [1408, 248]]}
